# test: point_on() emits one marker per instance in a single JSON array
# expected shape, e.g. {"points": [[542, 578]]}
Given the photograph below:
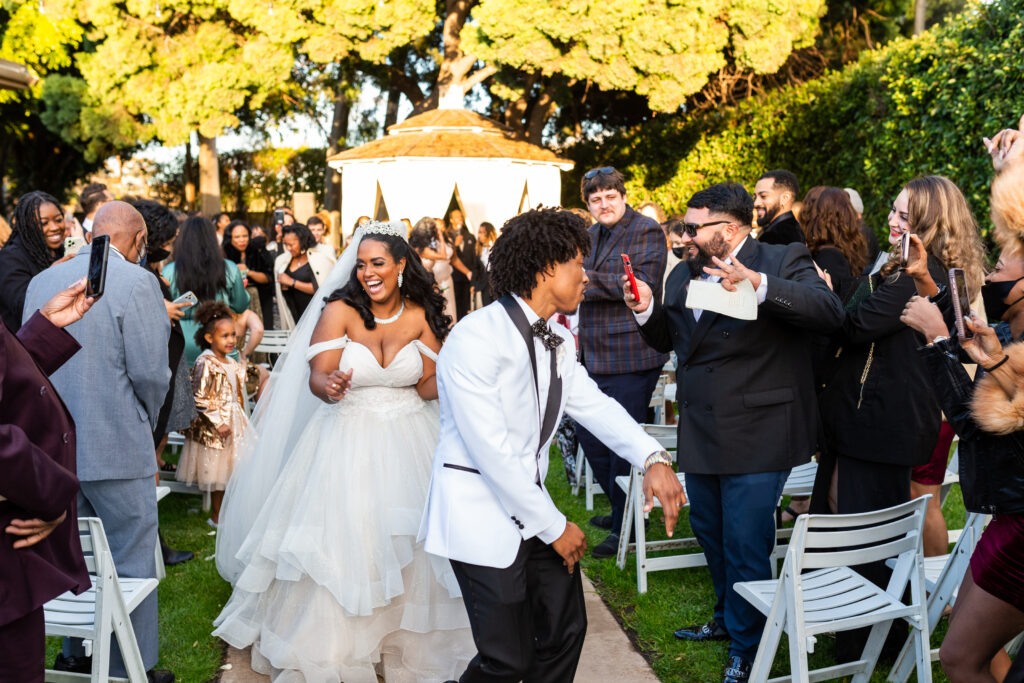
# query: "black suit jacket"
{"points": [[892, 416], [746, 387], [784, 229]]}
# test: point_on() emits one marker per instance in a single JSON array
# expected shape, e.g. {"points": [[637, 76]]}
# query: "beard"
{"points": [[770, 212], [716, 246]]}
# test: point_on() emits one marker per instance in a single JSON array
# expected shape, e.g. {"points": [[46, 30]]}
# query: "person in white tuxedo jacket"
{"points": [[504, 379]]}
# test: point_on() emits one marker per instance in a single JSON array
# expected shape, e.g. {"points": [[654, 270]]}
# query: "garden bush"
{"points": [[915, 107]]}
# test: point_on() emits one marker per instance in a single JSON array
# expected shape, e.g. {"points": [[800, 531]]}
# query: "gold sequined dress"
{"points": [[208, 458]]}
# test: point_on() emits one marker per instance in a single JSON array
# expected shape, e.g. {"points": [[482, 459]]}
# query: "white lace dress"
{"points": [[335, 587]]}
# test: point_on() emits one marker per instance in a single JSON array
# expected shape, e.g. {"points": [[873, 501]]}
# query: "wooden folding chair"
{"points": [[803, 604], [100, 612]]}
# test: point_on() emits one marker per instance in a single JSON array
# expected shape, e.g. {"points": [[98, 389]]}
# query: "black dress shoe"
{"points": [[161, 676], [172, 556], [609, 547], [78, 665], [737, 670], [601, 521], [703, 632]]}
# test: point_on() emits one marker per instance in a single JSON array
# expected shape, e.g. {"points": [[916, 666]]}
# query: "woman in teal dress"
{"points": [[200, 267]]}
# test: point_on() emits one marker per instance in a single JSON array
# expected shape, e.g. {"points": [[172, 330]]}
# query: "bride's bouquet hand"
{"points": [[337, 385]]}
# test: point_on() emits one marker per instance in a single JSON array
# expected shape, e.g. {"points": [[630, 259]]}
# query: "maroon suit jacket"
{"points": [[37, 469]]}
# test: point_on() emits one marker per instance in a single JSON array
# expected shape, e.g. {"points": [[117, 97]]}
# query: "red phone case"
{"points": [[629, 271]]}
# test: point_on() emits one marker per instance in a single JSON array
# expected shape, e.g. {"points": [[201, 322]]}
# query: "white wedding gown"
{"points": [[335, 587]]}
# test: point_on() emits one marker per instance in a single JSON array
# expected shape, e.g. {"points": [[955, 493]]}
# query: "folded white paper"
{"points": [[712, 296]]}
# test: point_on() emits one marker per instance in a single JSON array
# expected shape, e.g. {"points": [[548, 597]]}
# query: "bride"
{"points": [[319, 523]]}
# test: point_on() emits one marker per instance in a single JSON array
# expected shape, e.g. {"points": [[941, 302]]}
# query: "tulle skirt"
{"points": [[335, 587], [210, 468]]}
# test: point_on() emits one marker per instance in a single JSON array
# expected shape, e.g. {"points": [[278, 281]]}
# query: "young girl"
{"points": [[218, 383]]}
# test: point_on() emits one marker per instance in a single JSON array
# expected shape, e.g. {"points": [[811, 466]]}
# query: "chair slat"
{"points": [[876, 553], [855, 537]]}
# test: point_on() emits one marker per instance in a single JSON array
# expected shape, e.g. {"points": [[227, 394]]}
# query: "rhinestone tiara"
{"points": [[379, 228]]}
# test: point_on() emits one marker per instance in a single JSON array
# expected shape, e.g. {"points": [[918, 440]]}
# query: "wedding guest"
{"points": [[220, 221], [36, 243], [485, 236], [114, 389], [652, 211], [94, 195], [256, 266], [218, 385], [832, 230], [429, 242], [624, 365], [200, 267], [774, 196], [299, 271], [879, 416], [319, 226], [40, 553], [465, 251]]}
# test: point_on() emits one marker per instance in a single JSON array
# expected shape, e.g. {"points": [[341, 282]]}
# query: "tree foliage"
{"points": [[916, 107]]}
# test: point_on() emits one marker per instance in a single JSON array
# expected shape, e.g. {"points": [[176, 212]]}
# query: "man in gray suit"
{"points": [[114, 388]]}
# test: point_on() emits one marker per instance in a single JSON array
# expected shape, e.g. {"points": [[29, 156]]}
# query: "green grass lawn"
{"points": [[193, 594], [682, 597]]}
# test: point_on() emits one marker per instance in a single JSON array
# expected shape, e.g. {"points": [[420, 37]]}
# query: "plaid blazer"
{"points": [[609, 337]]}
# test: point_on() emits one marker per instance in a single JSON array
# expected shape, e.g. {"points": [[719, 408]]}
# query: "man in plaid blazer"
{"points": [[615, 354]]}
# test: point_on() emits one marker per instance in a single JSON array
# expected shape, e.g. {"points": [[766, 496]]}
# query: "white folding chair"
{"points": [[942, 575], [100, 612], [583, 472], [161, 572], [273, 342], [836, 598], [658, 399]]}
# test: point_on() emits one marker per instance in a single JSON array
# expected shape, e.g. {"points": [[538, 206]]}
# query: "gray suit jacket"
{"points": [[114, 387]]}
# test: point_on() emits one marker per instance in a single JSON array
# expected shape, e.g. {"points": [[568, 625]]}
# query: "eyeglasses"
{"points": [[604, 170], [692, 228]]}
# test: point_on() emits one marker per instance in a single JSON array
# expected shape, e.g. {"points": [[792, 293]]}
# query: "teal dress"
{"points": [[233, 294]]}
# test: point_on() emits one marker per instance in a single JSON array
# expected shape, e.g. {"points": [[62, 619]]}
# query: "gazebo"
{"points": [[415, 169]]}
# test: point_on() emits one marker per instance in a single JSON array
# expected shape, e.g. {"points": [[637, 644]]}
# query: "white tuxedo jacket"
{"points": [[483, 499]]}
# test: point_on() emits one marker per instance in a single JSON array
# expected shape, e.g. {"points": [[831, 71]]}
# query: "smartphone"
{"points": [[187, 297], [73, 244], [961, 301], [629, 271], [905, 249], [278, 216], [98, 266]]}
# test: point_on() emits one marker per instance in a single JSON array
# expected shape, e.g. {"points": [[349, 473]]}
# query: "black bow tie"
{"points": [[550, 339]]}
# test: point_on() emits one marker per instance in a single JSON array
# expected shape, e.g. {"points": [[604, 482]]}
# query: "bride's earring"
{"points": [[399, 279]]}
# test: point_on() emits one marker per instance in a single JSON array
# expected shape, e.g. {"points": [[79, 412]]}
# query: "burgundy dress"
{"points": [[37, 481], [997, 564]]}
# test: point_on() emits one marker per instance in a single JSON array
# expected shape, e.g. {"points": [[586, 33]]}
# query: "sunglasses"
{"points": [[604, 170], [692, 228]]}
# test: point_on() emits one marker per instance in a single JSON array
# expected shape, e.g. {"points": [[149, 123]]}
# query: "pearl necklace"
{"points": [[385, 321]]}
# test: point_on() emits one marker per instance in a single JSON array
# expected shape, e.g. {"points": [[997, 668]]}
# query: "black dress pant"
{"points": [[528, 620], [463, 298]]}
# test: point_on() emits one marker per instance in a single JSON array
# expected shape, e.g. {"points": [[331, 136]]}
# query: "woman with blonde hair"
{"points": [[880, 416]]}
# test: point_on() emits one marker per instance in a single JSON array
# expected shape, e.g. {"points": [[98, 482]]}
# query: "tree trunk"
{"points": [[391, 113], [209, 176], [539, 115], [190, 179], [920, 8], [335, 143]]}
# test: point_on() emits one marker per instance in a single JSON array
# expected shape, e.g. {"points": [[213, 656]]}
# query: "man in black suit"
{"points": [[747, 410], [465, 247], [774, 195]]}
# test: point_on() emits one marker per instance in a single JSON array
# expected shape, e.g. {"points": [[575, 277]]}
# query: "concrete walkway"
{"points": [[608, 654]]}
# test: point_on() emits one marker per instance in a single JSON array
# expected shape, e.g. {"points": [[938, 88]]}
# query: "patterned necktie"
{"points": [[550, 339]]}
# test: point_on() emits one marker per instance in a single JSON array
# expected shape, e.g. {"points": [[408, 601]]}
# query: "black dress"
{"points": [[17, 268], [298, 301]]}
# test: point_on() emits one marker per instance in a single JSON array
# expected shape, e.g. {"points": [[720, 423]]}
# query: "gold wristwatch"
{"points": [[654, 458]]}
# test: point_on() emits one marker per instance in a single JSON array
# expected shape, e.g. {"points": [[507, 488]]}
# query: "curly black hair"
{"points": [[418, 286], [305, 237], [532, 242], [161, 223], [207, 314], [27, 225]]}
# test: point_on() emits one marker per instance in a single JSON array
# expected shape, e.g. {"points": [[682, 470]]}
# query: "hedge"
{"points": [[915, 107]]}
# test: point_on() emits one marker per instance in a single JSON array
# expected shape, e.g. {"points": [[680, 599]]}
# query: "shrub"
{"points": [[916, 107]]}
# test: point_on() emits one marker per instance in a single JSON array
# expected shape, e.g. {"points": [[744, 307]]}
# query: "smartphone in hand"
{"points": [[187, 297], [961, 301], [72, 245], [97, 275], [905, 249], [629, 272]]}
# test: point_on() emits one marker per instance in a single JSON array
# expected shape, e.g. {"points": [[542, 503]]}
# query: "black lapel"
{"points": [[595, 236], [615, 236]]}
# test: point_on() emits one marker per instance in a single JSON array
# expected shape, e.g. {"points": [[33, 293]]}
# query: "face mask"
{"points": [[994, 294], [678, 252], [158, 254], [142, 255]]}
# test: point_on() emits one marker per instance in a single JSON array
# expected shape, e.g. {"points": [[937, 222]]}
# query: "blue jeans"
{"points": [[733, 518]]}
